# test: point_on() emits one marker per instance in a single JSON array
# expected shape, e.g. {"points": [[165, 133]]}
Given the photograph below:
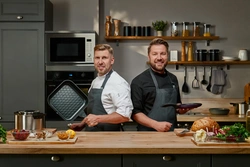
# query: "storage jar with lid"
{"points": [[174, 29], [201, 55], [214, 54], [185, 29], [196, 30], [207, 32]]}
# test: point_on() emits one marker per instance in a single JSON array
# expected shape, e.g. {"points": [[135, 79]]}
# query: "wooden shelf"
{"points": [[119, 38], [164, 37], [208, 63]]}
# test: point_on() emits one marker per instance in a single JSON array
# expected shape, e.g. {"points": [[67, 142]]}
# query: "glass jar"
{"points": [[196, 32], [185, 30], [207, 30], [174, 29]]}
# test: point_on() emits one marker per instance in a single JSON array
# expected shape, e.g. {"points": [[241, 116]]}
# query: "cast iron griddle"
{"points": [[68, 100]]}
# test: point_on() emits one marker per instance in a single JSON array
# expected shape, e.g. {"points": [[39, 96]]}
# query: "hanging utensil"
{"points": [[185, 88], [195, 82], [209, 82], [204, 81]]}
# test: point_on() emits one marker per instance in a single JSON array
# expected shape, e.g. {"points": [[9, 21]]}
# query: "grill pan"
{"points": [[68, 101]]}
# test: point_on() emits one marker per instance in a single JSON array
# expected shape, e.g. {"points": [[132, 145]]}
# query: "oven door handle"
{"points": [[84, 84]]}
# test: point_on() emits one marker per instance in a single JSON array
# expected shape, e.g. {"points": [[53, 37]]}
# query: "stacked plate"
{"points": [[226, 58]]}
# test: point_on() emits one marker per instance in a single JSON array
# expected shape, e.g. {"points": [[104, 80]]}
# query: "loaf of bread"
{"points": [[205, 123]]}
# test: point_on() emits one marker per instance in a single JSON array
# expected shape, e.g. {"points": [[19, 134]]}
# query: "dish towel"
{"points": [[218, 81]]}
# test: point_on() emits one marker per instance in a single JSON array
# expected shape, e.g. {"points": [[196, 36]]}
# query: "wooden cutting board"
{"points": [[51, 140], [178, 131], [214, 143]]}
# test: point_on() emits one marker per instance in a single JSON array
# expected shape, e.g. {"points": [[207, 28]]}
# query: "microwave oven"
{"points": [[70, 47]]}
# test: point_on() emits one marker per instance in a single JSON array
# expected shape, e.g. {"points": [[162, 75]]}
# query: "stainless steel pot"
{"points": [[29, 120], [240, 108]]}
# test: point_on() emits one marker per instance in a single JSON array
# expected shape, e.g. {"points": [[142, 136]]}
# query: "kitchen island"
{"points": [[126, 149]]}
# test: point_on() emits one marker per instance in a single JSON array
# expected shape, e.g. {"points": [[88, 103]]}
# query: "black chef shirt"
{"points": [[143, 90]]}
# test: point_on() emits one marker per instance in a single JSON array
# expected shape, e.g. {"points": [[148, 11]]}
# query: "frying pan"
{"points": [[68, 101], [184, 106]]}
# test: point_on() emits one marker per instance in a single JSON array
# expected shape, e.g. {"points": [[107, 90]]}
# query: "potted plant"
{"points": [[159, 26], [3, 134]]}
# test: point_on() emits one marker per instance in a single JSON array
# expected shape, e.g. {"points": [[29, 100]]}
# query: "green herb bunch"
{"points": [[236, 131], [3, 134], [159, 25]]}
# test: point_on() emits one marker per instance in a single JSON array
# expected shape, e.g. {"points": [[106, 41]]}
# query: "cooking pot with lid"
{"points": [[240, 108], [29, 120]]}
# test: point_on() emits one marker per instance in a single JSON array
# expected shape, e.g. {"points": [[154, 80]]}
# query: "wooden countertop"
{"points": [[124, 143], [218, 118]]}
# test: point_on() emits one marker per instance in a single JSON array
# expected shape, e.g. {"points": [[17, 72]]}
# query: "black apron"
{"points": [[158, 113], [95, 107]]}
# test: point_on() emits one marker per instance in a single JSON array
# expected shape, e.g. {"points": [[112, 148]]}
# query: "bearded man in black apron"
{"points": [[109, 96], [153, 88]]}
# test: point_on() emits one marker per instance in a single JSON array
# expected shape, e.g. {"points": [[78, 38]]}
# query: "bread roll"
{"points": [[205, 123]]}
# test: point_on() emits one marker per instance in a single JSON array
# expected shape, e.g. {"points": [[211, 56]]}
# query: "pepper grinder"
{"points": [[190, 51], [183, 51], [108, 26], [117, 27]]}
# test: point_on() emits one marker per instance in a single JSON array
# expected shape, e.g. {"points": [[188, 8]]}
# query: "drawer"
{"points": [[23, 10]]}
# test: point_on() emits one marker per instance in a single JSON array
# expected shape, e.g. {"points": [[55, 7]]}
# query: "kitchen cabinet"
{"points": [[166, 160], [24, 10], [21, 61], [61, 160], [230, 160]]}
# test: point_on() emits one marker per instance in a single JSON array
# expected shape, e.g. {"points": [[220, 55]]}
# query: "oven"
{"points": [[54, 76]]}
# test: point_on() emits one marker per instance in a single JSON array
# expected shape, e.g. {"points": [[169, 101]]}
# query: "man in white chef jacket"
{"points": [[109, 95]]}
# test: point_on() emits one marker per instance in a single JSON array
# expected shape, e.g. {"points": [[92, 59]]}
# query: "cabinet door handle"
{"points": [[55, 158], [167, 158], [19, 17], [1, 117]]}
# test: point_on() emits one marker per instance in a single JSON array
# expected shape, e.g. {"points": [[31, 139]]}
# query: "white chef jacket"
{"points": [[116, 94]]}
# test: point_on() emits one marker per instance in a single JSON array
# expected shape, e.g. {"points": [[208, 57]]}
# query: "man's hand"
{"points": [[77, 126], [162, 126], [91, 120]]}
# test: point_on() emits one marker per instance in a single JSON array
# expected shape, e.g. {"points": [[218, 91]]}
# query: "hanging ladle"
{"points": [[204, 81]]}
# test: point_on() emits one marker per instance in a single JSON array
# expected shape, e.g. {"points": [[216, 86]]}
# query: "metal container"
{"points": [[240, 108], [29, 120]]}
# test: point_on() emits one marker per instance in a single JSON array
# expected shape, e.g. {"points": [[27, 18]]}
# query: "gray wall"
{"points": [[230, 19]]}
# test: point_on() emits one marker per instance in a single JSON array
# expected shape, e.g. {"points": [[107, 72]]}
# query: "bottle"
{"points": [[183, 51], [196, 29], [248, 117], [207, 30], [190, 51], [174, 29], [108, 26], [185, 30]]}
